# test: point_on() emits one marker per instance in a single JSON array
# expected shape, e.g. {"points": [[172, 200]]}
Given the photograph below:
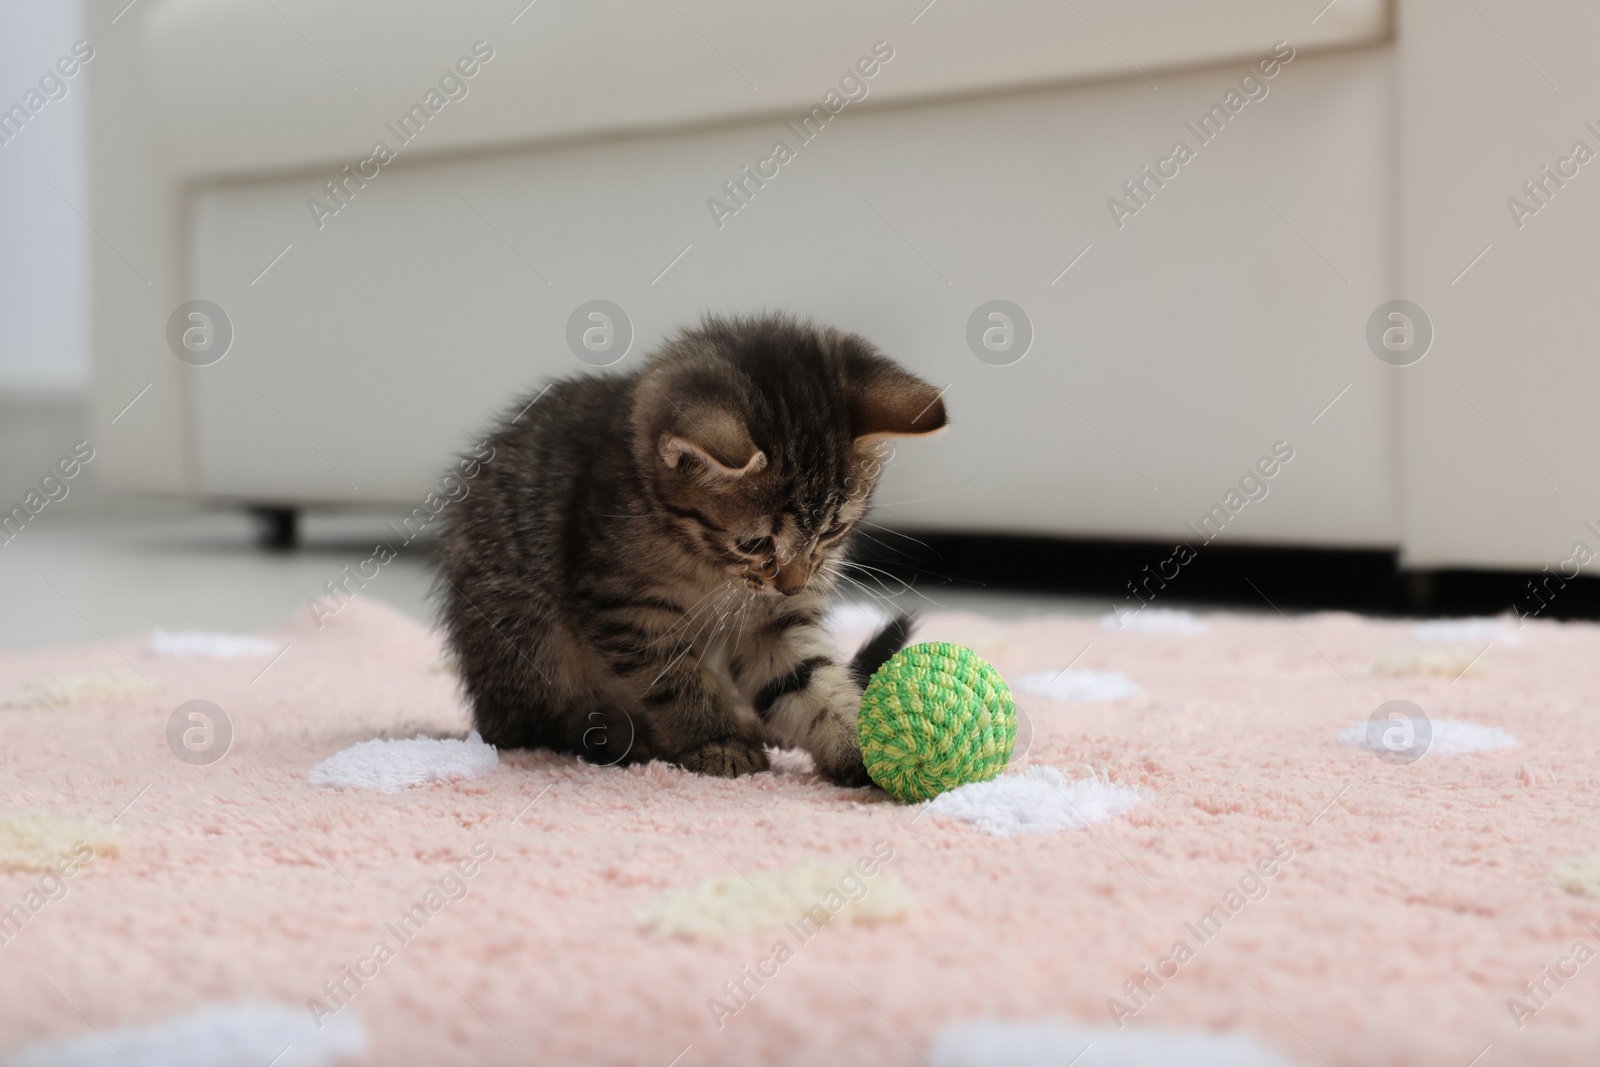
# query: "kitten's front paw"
{"points": [[727, 758], [850, 772], [834, 746]]}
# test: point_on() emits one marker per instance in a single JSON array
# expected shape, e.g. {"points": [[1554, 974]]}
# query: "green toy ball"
{"points": [[933, 717]]}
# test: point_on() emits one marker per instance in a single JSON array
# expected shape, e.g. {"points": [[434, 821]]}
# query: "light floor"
{"points": [[94, 566], [76, 577]]}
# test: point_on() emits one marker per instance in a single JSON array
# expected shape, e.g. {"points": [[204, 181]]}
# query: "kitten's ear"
{"points": [[717, 440], [886, 400]]}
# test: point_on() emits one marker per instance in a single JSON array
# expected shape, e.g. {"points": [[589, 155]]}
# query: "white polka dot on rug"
{"points": [[1153, 621], [1447, 737], [998, 1043], [1468, 631], [220, 1035], [195, 644], [1040, 800], [394, 766], [1077, 687]]}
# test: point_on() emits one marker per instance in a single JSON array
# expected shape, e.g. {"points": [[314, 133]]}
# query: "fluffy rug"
{"points": [[1217, 859]]}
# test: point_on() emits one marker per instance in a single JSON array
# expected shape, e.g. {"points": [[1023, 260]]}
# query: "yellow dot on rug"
{"points": [[1580, 877], [809, 896], [77, 687], [1425, 663], [36, 840]]}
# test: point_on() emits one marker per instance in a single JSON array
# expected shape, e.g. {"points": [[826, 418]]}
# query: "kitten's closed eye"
{"points": [[754, 546]]}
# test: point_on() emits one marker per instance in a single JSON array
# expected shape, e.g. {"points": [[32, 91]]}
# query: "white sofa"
{"points": [[1176, 340]]}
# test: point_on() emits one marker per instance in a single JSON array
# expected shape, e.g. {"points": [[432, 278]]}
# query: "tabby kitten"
{"points": [[641, 570]]}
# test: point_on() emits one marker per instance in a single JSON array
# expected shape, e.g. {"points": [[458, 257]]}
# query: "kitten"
{"points": [[642, 569]]}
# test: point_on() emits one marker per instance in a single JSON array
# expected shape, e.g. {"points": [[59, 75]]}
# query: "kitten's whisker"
{"points": [[878, 594], [719, 616], [749, 599], [742, 599], [712, 608], [872, 595], [710, 642], [869, 537], [896, 589], [847, 564], [715, 590], [876, 597], [906, 587], [918, 500], [689, 644], [880, 601], [897, 533], [886, 546], [688, 616]]}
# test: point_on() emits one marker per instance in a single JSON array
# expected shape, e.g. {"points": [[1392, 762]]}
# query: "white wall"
{"points": [[44, 339], [1188, 343], [1498, 420]]}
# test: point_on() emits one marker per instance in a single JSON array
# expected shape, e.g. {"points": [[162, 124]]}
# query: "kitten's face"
{"points": [[783, 534], [768, 439]]}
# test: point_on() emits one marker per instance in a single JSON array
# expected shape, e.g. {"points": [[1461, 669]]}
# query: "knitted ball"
{"points": [[933, 717]]}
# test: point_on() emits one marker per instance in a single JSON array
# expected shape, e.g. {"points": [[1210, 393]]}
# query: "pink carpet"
{"points": [[1416, 903]]}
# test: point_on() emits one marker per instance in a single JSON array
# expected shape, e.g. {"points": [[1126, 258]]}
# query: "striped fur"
{"points": [[642, 568]]}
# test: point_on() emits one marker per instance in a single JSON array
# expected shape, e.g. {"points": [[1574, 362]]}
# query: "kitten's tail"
{"points": [[876, 652]]}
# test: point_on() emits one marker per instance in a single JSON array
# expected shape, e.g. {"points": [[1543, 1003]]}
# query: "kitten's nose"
{"points": [[792, 579]]}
